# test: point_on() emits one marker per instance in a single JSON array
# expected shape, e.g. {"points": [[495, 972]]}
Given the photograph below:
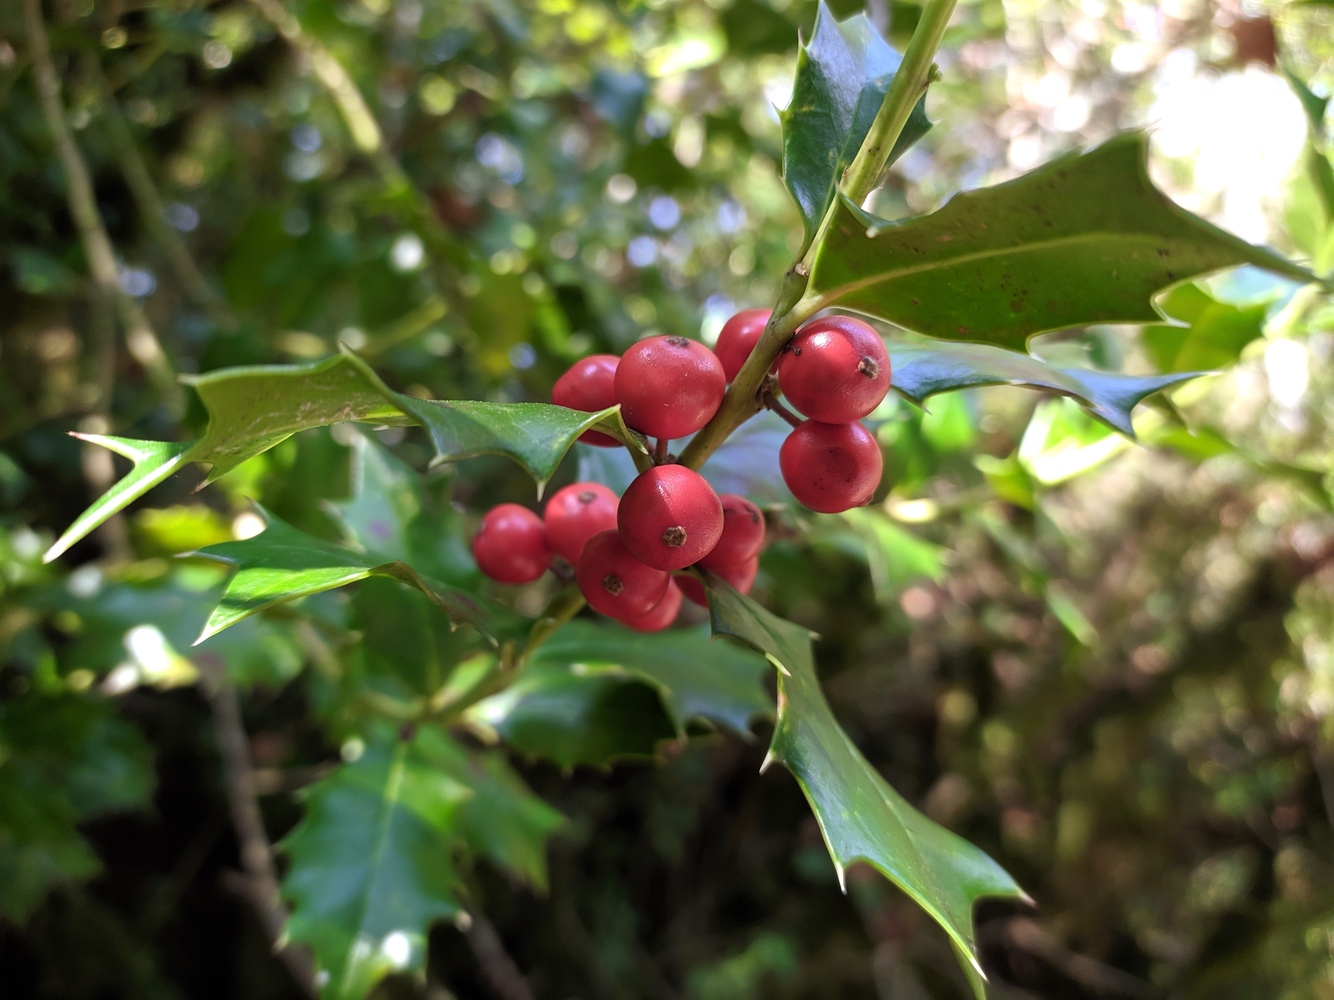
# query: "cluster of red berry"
{"points": [[835, 371]]}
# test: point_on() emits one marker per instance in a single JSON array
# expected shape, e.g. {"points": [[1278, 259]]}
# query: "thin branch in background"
{"points": [[151, 209], [1103, 979], [140, 340], [497, 967], [365, 130], [260, 882]]}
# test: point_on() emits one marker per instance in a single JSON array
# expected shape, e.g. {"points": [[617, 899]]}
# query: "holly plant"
{"points": [[442, 669]]}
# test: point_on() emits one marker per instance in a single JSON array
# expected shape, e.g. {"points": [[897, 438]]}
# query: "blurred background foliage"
{"points": [[1110, 665]]}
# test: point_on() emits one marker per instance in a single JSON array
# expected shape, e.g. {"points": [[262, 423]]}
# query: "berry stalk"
{"points": [[745, 396]]}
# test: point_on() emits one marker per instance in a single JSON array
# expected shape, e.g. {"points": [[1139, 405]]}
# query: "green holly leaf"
{"points": [[408, 648], [64, 759], [253, 408], [841, 81], [372, 864], [283, 564], [558, 713], [1214, 337], [502, 820], [922, 368], [153, 462], [385, 500], [861, 816], [535, 435], [1084, 239]]}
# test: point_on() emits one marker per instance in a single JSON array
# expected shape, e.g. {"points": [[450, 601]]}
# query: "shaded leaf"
{"points": [[861, 817], [63, 759], [372, 864], [923, 368], [502, 820], [841, 81], [1084, 239], [407, 646], [153, 462], [384, 500], [570, 718], [696, 677]]}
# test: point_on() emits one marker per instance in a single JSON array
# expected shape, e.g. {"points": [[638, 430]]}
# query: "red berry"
{"points": [[669, 386], [742, 537], [670, 517], [740, 575], [661, 616], [616, 583], [589, 385], [575, 514], [836, 370], [831, 467], [738, 338], [511, 545]]}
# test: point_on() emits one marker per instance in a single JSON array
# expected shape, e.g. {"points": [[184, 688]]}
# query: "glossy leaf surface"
{"points": [[922, 369], [153, 462], [282, 564], [251, 409], [1084, 239], [842, 77], [372, 864], [861, 817]]}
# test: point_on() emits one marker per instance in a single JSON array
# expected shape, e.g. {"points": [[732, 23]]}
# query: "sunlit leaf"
{"points": [[1084, 239], [153, 462], [252, 409], [861, 817], [1209, 334], [923, 368], [283, 564], [842, 78]]}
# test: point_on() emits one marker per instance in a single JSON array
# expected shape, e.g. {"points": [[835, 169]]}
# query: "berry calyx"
{"points": [[614, 582], [738, 338], [670, 517], [576, 513], [835, 370], [661, 616], [511, 545], [669, 386], [831, 467], [589, 385], [740, 575], [742, 537]]}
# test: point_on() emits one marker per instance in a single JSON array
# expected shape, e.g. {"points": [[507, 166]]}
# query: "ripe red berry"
{"points": [[575, 514], [616, 583], [670, 517], [661, 616], [836, 370], [738, 338], [669, 386], [740, 575], [511, 545], [742, 537], [589, 385], [831, 467]]}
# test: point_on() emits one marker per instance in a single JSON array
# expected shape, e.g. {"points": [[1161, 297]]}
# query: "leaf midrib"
{"points": [[388, 801], [843, 290]]}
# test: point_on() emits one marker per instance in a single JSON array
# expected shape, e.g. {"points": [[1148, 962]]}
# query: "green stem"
{"points": [[907, 88], [795, 304]]}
